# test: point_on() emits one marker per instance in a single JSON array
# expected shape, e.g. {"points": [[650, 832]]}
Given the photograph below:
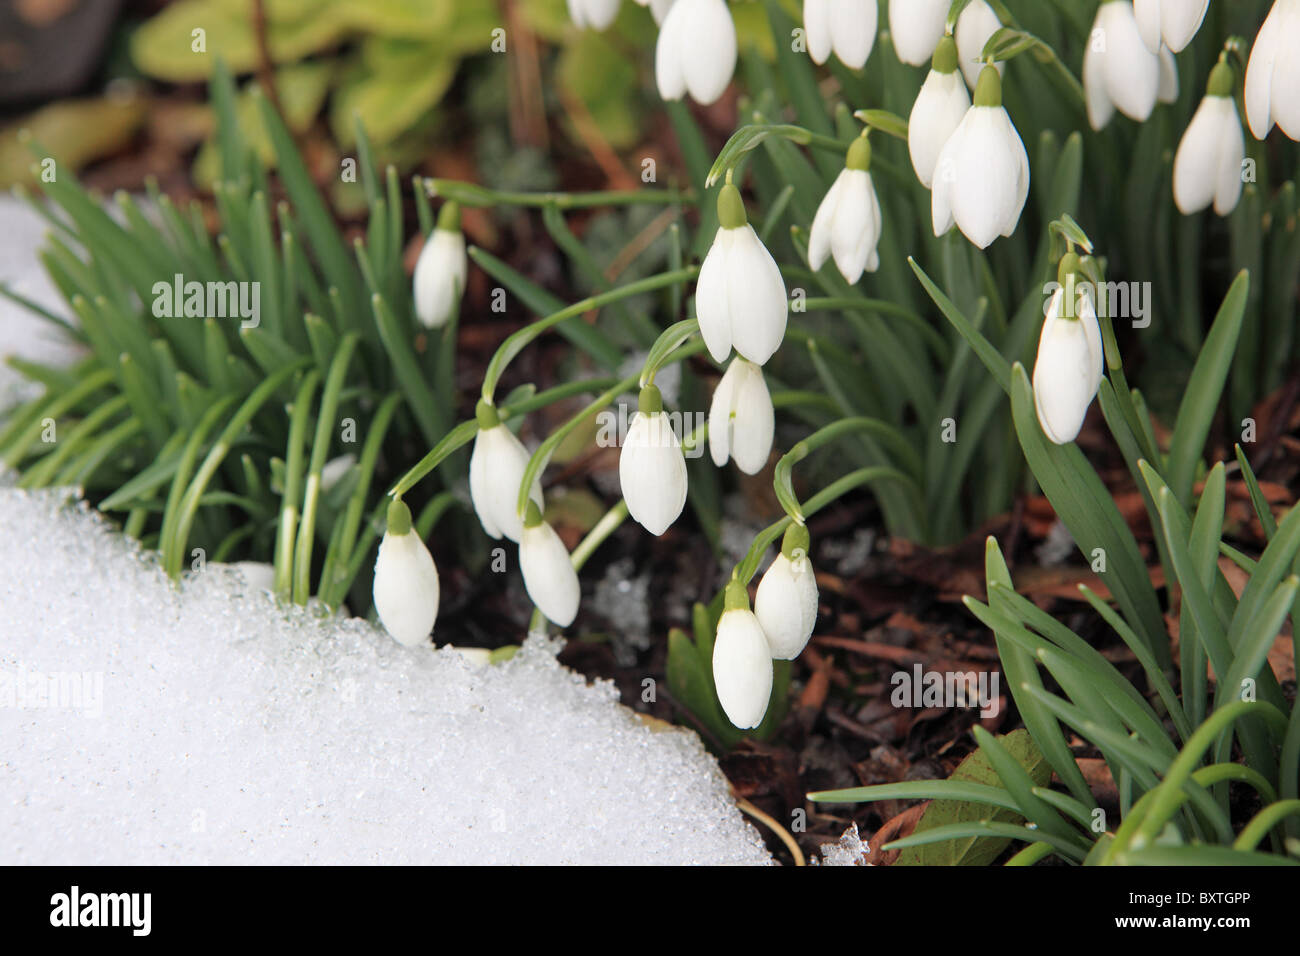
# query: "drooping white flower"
{"points": [[406, 588], [549, 577], [740, 296], [1119, 72], [741, 418], [696, 51], [847, 224], [597, 14], [938, 111], [786, 602], [1068, 368], [1171, 22], [439, 279], [846, 26], [1207, 166], [975, 25], [658, 8], [1273, 73], [916, 26], [981, 179], [496, 469], [651, 468], [742, 661]]}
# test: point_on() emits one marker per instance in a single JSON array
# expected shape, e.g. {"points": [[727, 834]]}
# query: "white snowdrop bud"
{"points": [[786, 602], [406, 581], [440, 271], [740, 296], [1273, 73], [335, 470], [847, 224], [549, 577], [696, 51], [846, 26], [981, 179], [742, 662], [651, 468], [1207, 166], [1068, 368], [496, 470], [1118, 69], [658, 8], [741, 418], [916, 26], [938, 111], [1171, 22], [975, 26], [597, 14]]}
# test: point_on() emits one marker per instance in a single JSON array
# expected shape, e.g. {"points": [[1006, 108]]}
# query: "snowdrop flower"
{"points": [[496, 470], [1069, 364], [938, 111], [440, 271], [976, 24], [847, 224], [742, 662], [696, 51], [549, 577], [406, 581], [1171, 22], [1119, 72], [1207, 166], [597, 14], [651, 468], [740, 295], [658, 8], [741, 418], [786, 602], [916, 26], [846, 26], [1273, 73], [981, 179]]}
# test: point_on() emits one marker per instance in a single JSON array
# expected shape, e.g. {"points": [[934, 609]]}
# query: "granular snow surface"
{"points": [[141, 723]]}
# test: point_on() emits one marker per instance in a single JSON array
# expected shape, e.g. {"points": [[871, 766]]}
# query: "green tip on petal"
{"points": [[486, 414], [796, 541], [1070, 265], [651, 400], [532, 516], [988, 91], [449, 216], [731, 208], [1221, 80], [737, 596], [945, 56], [399, 517], [859, 155]]}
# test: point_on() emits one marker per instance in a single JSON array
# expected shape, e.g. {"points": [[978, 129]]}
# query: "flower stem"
{"points": [[471, 194]]}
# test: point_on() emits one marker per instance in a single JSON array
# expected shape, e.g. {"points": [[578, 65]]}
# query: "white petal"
{"points": [[786, 606], [1285, 99], [1063, 375], [1092, 333], [817, 29], [711, 303], [944, 183], [406, 588], [1132, 72], [494, 481], [852, 225], [819, 235], [1196, 173], [720, 411], [742, 668], [707, 48], [756, 298], [1180, 20], [916, 26], [754, 422], [670, 75], [439, 277], [854, 30], [937, 112], [976, 24], [1100, 107], [1147, 14], [1232, 153], [548, 574], [990, 185], [652, 472]]}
